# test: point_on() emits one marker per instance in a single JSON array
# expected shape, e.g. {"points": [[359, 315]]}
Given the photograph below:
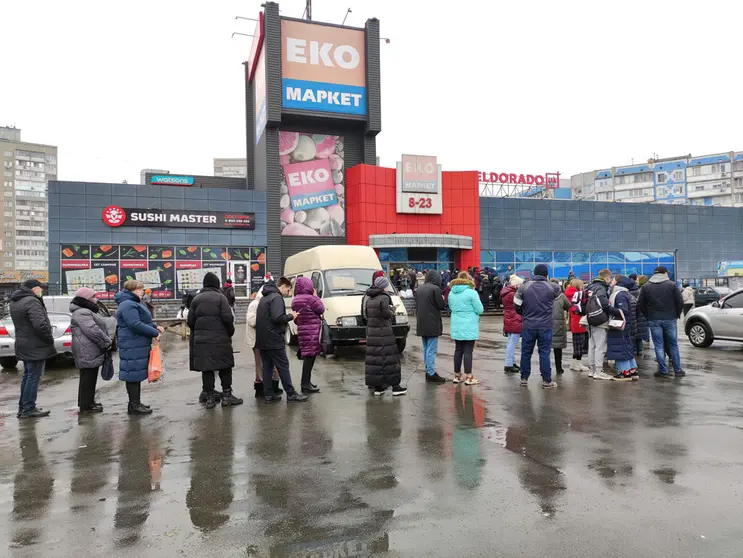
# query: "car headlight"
{"points": [[401, 319], [349, 321]]}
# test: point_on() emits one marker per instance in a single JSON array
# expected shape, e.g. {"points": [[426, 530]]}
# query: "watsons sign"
{"points": [[323, 68], [115, 216], [172, 180]]}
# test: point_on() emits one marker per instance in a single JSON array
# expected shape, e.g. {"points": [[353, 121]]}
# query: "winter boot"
{"points": [[258, 387], [276, 389], [211, 400], [138, 409], [204, 395], [229, 399]]}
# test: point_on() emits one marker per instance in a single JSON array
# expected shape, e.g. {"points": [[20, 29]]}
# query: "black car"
{"points": [[707, 295]]}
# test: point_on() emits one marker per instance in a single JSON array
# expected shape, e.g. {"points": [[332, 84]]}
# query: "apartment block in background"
{"points": [[26, 168]]}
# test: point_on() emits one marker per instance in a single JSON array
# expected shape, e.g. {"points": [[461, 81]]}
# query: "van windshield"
{"points": [[349, 282]]}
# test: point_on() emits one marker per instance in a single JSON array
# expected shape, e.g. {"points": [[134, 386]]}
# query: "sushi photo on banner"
{"points": [[312, 184]]}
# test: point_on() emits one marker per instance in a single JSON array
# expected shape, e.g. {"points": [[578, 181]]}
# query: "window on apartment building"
{"points": [[661, 178], [739, 166], [678, 176], [738, 198], [8, 153], [718, 167], [8, 264], [696, 171]]}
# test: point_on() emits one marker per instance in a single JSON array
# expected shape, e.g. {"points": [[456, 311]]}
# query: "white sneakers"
{"points": [[601, 376], [577, 366]]}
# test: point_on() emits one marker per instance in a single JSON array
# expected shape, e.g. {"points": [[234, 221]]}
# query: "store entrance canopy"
{"points": [[420, 240]]}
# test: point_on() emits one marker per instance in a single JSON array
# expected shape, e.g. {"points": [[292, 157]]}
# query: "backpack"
{"points": [[580, 300], [594, 312]]}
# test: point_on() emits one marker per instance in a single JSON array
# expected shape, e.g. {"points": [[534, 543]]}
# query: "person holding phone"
{"points": [[270, 328], [309, 309]]}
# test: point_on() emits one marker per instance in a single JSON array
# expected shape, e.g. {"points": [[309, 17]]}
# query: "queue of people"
{"points": [[611, 318]]}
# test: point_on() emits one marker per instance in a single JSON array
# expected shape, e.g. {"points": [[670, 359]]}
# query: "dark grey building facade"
{"points": [[85, 250], [625, 237]]}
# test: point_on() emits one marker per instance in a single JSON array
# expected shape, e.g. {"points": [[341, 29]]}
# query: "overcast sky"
{"points": [[524, 87]]}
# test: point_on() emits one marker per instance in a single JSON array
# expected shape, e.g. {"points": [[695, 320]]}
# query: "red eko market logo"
{"points": [[114, 216]]}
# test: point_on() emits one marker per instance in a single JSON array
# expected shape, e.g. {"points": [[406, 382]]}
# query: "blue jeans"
{"points": [[623, 365], [513, 340], [430, 348], [664, 331], [32, 371], [543, 339]]}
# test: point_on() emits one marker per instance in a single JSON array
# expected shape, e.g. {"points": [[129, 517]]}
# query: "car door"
{"points": [[701, 298], [728, 320]]}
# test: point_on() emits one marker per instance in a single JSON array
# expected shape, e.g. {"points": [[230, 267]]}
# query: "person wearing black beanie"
{"points": [[212, 325]]}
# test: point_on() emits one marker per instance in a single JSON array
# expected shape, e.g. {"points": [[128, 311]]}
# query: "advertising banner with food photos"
{"points": [[168, 270], [313, 196]]}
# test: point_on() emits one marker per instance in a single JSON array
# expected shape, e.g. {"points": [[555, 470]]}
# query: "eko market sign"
{"points": [[115, 216]]}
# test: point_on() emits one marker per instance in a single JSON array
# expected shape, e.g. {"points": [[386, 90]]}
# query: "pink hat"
{"points": [[85, 292]]}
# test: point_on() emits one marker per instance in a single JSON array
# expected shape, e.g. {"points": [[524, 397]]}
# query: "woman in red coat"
{"points": [[511, 322], [580, 335]]}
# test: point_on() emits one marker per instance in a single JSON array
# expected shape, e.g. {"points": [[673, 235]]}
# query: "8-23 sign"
{"points": [[423, 203]]}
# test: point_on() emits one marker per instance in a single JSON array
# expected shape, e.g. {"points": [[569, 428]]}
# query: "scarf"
{"points": [[615, 291]]}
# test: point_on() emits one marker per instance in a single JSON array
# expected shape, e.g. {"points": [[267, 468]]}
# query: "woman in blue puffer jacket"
{"points": [[136, 332], [466, 307]]}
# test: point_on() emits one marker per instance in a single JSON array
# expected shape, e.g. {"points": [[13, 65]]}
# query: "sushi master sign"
{"points": [[115, 216], [322, 68]]}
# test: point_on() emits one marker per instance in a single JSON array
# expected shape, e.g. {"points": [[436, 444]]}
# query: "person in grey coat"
{"points": [[560, 315], [34, 343], [90, 342]]}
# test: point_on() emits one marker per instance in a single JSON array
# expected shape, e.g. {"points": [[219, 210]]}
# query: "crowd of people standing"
{"points": [[610, 319]]}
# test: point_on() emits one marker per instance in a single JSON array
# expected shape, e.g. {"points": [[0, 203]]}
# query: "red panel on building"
{"points": [[371, 209]]}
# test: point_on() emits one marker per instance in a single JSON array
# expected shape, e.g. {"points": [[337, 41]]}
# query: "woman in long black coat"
{"points": [[382, 355], [212, 326]]}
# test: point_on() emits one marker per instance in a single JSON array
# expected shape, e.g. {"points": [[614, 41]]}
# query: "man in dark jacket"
{"points": [[597, 335], [212, 326], [534, 301], [34, 343], [429, 303], [270, 331], [661, 303]]}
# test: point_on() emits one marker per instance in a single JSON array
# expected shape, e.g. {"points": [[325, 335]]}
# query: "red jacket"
{"points": [[511, 320], [574, 316]]}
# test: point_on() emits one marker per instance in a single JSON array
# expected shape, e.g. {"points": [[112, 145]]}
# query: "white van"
{"points": [[341, 275]]}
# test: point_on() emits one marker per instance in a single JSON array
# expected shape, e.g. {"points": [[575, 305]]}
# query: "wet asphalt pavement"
{"points": [[648, 469]]}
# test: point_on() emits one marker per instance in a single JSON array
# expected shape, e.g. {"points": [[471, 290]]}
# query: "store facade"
{"points": [[101, 235]]}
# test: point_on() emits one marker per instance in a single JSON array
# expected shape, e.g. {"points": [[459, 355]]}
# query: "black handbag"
{"points": [[326, 341], [107, 369]]}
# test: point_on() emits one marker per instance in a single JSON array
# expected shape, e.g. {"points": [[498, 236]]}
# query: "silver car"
{"points": [[61, 327], [721, 320]]}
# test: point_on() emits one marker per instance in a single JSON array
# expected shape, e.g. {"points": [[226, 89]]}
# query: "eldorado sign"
{"points": [[115, 216]]}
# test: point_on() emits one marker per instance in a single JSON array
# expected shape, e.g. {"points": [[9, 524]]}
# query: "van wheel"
{"points": [[291, 339], [401, 343], [9, 362], [700, 335]]}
